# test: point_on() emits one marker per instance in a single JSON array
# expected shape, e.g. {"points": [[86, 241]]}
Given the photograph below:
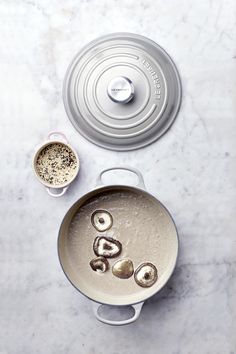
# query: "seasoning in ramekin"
{"points": [[56, 164]]}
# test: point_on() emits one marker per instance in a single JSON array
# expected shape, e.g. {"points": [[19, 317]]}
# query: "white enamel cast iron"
{"points": [[122, 91], [141, 224]]}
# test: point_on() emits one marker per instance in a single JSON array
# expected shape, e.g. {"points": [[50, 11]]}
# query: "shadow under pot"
{"points": [[56, 164]]}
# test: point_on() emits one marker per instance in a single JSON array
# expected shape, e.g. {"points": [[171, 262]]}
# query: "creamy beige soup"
{"points": [[146, 232]]}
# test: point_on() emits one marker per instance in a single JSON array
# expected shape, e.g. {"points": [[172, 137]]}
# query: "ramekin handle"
{"points": [[56, 195], [55, 135]]}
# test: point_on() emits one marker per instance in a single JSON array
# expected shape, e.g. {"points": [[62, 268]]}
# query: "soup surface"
{"points": [[140, 223]]}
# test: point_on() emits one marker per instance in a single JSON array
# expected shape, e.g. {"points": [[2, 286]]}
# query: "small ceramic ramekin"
{"points": [[55, 190]]}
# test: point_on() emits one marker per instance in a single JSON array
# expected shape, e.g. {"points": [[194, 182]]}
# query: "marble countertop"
{"points": [[191, 170]]}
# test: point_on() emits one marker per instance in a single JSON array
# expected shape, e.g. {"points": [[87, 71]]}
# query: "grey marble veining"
{"points": [[191, 170]]}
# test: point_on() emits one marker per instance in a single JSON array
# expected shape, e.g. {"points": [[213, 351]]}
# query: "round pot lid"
{"points": [[122, 91]]}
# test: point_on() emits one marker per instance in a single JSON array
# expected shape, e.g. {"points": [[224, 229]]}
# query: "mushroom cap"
{"points": [[99, 264], [101, 220], [107, 247], [123, 268], [146, 275]]}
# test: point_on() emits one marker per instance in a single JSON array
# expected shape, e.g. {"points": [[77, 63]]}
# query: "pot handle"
{"points": [[53, 135], [126, 168], [137, 310], [56, 195]]}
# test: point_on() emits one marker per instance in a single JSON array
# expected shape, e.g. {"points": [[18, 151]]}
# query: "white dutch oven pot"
{"points": [[157, 241]]}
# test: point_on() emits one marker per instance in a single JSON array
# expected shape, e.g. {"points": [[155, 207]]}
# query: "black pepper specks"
{"points": [[56, 164]]}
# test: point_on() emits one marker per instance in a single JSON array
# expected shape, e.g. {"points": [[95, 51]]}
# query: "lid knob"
{"points": [[120, 89]]}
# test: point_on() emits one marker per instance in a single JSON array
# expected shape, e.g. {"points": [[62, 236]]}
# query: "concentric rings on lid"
{"points": [[122, 91]]}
